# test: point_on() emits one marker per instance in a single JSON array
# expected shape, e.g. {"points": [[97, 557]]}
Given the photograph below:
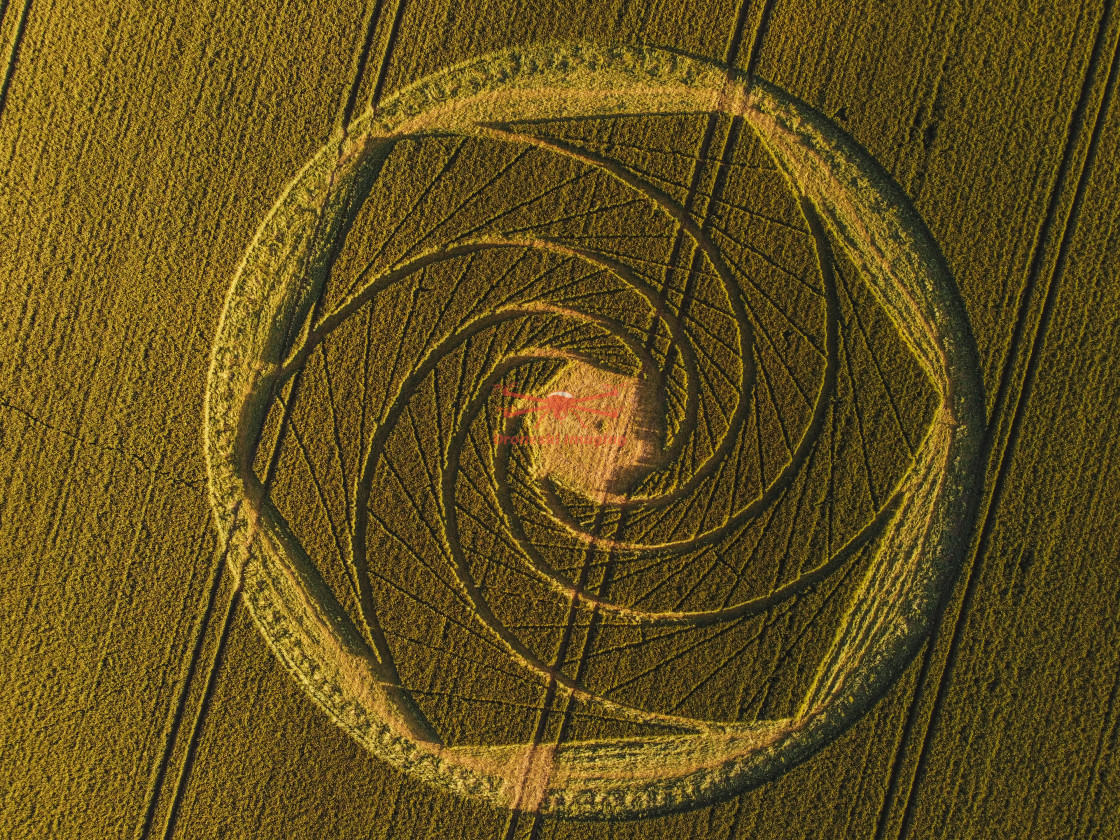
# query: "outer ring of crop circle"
{"points": [[283, 273]]}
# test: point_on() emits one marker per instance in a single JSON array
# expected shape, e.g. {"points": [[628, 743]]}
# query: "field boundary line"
{"points": [[13, 48], [693, 194], [1005, 423], [233, 599]]}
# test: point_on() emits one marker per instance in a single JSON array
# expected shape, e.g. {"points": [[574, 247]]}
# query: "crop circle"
{"points": [[268, 330]]}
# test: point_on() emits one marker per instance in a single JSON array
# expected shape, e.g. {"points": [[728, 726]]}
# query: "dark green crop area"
{"points": [[771, 408]]}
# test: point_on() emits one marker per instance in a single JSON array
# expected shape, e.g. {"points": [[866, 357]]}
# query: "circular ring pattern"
{"points": [[918, 538]]}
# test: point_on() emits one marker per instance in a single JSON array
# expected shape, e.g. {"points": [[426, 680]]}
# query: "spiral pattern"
{"points": [[567, 415]]}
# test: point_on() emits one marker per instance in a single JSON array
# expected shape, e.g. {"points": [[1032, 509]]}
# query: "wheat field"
{"points": [[506, 419]]}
